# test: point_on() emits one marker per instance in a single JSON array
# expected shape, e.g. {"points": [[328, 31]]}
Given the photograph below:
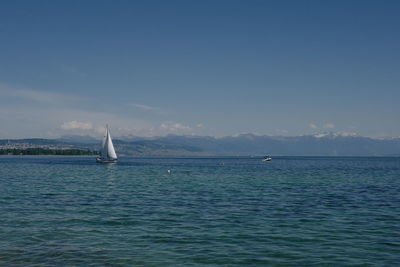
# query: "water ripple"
{"points": [[292, 211]]}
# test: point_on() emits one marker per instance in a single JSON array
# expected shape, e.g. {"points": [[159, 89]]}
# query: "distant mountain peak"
{"points": [[336, 134], [321, 144]]}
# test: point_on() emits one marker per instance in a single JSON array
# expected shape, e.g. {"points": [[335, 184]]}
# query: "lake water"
{"points": [[298, 211]]}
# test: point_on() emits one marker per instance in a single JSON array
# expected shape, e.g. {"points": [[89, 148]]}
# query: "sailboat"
{"points": [[107, 152]]}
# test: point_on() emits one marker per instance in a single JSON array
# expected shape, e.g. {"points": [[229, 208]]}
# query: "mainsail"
{"points": [[107, 147]]}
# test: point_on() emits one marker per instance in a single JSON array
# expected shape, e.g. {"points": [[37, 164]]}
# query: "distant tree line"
{"points": [[47, 151]]}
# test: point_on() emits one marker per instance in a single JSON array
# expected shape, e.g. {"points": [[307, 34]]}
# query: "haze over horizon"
{"points": [[215, 68]]}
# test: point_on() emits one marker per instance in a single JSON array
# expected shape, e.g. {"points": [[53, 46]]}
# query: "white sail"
{"points": [[107, 147], [110, 147]]}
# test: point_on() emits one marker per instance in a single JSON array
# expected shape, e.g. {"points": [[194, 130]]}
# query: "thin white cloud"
{"points": [[281, 131], [77, 125], [72, 70], [147, 108], [89, 127], [38, 113], [313, 126], [175, 127], [329, 126], [35, 95], [33, 120], [144, 107]]}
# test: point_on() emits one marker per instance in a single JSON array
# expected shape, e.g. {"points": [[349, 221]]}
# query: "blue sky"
{"points": [[199, 67]]}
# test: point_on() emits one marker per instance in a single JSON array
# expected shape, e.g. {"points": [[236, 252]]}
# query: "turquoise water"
{"points": [[298, 211]]}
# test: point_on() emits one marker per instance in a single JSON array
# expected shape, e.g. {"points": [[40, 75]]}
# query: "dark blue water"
{"points": [[57, 211]]}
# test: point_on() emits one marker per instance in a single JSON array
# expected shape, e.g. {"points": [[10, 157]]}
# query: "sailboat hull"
{"points": [[101, 160]]}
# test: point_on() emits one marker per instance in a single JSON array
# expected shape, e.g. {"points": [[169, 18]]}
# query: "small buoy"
{"points": [[169, 171]]}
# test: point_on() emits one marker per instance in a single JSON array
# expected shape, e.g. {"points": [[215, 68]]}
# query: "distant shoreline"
{"points": [[46, 152]]}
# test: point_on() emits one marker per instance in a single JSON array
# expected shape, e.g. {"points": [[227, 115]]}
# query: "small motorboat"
{"points": [[267, 158]]}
